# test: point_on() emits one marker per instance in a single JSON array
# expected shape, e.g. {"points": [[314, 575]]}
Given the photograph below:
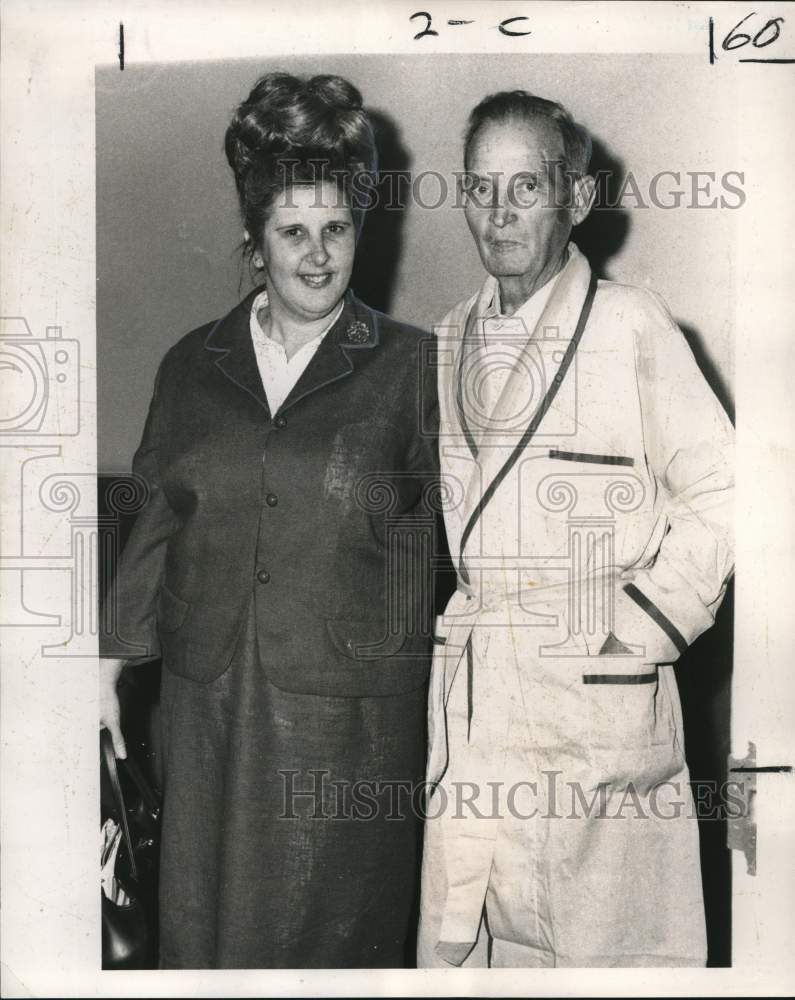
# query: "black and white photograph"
{"points": [[397, 499]]}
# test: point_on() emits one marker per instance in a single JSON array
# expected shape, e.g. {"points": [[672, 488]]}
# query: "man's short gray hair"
{"points": [[521, 105]]}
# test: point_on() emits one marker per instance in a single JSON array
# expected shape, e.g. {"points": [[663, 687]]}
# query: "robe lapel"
{"points": [[561, 314], [457, 436], [451, 344]]}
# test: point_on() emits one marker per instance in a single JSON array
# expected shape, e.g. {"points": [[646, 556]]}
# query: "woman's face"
{"points": [[307, 246]]}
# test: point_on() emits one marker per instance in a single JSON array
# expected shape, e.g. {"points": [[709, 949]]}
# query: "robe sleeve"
{"points": [[689, 444], [131, 599]]}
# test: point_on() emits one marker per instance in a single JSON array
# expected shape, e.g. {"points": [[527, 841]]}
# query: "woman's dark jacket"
{"points": [[324, 511]]}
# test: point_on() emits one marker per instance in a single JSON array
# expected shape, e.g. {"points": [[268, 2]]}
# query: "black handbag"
{"points": [[129, 930]]}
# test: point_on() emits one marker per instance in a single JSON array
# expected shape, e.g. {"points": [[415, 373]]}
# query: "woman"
{"points": [[281, 570]]}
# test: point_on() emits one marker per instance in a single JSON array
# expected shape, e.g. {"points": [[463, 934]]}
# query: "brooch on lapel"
{"points": [[357, 332]]}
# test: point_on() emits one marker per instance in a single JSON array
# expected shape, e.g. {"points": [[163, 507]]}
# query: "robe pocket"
{"points": [[171, 610], [583, 456], [627, 709], [364, 641]]}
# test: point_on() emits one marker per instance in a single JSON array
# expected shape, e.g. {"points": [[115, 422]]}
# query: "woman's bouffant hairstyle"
{"points": [[299, 131]]}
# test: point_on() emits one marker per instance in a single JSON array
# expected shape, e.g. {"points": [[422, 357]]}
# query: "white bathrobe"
{"points": [[594, 497]]}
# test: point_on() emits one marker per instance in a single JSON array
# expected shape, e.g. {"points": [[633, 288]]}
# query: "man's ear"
{"points": [[584, 192]]}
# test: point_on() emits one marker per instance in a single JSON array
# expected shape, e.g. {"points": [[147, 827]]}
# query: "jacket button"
{"points": [[271, 499], [280, 422], [263, 576]]}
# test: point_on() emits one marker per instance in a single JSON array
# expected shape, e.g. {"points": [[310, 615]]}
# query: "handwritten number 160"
{"points": [[736, 39]]}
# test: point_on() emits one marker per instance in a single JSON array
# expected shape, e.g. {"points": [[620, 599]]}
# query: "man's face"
{"points": [[517, 207]]}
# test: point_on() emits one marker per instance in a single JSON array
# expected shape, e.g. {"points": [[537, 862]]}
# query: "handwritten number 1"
{"points": [[427, 30]]}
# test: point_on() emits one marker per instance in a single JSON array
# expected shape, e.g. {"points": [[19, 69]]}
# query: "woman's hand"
{"points": [[109, 710]]}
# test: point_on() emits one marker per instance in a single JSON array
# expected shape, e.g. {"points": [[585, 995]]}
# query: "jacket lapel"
{"points": [[230, 340], [356, 329]]}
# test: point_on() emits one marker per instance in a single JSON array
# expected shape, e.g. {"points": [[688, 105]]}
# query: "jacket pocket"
{"points": [[171, 610], [582, 456], [364, 641], [350, 658]]}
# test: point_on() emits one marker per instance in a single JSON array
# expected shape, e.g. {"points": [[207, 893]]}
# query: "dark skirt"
{"points": [[290, 835]]}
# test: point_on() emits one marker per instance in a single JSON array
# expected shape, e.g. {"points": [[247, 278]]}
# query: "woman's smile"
{"points": [[317, 280]]}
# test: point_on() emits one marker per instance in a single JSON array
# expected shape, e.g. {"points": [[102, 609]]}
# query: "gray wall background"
{"points": [[168, 227]]}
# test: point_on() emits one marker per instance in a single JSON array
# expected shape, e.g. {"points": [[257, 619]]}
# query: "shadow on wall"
{"points": [[704, 675], [708, 368], [602, 235], [380, 248]]}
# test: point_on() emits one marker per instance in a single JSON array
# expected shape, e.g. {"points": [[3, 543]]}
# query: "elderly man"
{"points": [[589, 479]]}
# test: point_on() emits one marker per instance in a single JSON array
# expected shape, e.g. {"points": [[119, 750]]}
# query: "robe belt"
{"points": [[459, 621]]}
